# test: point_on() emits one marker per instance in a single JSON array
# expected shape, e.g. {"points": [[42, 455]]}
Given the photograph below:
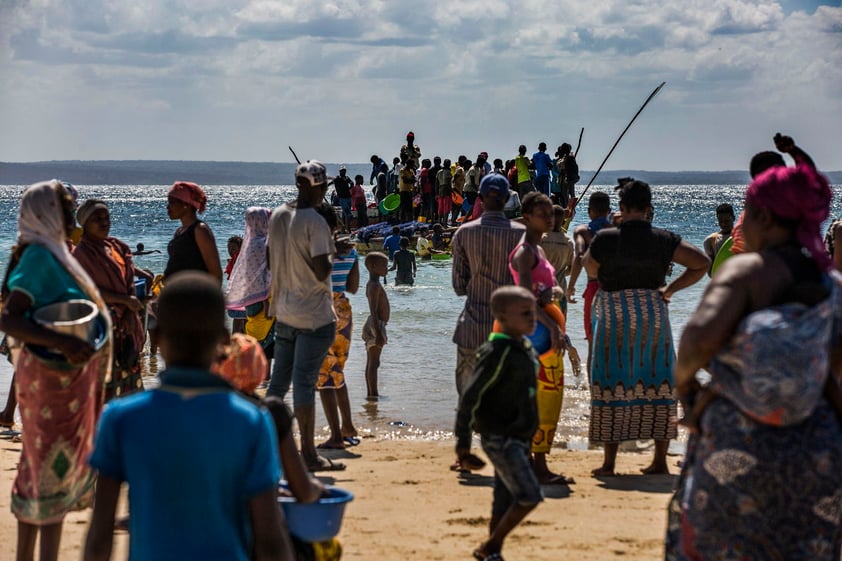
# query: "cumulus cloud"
{"points": [[467, 75]]}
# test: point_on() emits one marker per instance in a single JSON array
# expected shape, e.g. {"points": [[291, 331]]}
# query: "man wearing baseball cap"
{"points": [[481, 251], [299, 248]]}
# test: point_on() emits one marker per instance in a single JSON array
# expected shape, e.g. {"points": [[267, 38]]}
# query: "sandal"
{"points": [[325, 464]]}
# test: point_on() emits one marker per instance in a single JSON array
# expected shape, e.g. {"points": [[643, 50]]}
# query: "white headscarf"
{"points": [[250, 278], [41, 221]]}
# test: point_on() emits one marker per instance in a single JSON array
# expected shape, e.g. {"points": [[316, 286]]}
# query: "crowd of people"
{"points": [[767, 330], [446, 191]]}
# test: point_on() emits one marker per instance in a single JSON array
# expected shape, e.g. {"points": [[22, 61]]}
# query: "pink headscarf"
{"points": [[800, 194], [189, 193]]}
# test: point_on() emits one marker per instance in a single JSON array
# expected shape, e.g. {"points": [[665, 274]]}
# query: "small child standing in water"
{"points": [[404, 262], [499, 403], [374, 330]]}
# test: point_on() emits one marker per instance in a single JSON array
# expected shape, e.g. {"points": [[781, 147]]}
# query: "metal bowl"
{"points": [[73, 317]]}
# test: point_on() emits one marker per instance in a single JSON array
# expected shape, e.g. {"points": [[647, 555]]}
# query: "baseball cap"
{"points": [[313, 171], [496, 183]]}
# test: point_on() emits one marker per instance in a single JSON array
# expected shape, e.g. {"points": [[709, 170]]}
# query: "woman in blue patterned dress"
{"points": [[761, 478], [632, 359]]}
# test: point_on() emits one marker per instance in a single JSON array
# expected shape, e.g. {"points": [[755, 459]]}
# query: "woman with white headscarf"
{"points": [[248, 287], [60, 399]]}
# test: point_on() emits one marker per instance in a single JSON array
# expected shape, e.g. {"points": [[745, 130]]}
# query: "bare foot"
{"points": [[655, 469], [603, 471]]}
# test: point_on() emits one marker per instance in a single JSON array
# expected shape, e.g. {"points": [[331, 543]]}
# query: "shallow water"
{"points": [[416, 376]]}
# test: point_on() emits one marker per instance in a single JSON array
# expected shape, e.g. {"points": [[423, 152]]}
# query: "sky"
{"points": [[340, 80]]}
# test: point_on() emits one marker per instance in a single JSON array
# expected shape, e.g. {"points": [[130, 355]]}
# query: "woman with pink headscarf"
{"points": [[761, 474], [193, 246]]}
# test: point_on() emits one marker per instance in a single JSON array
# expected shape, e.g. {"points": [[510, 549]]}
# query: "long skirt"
{"points": [[631, 367], [59, 411], [332, 373], [756, 492]]}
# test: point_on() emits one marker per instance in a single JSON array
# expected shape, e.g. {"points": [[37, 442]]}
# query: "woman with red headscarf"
{"points": [[193, 246], [761, 475]]}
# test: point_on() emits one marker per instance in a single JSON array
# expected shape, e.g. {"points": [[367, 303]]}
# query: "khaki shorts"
{"points": [[369, 335]]}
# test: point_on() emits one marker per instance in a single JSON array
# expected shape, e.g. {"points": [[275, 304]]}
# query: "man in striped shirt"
{"points": [[481, 265]]}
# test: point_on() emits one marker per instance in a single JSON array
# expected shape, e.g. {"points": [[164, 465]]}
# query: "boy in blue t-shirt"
{"points": [[392, 243], [201, 462]]}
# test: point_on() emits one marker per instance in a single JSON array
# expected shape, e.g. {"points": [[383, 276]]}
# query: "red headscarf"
{"points": [[800, 194], [189, 193]]}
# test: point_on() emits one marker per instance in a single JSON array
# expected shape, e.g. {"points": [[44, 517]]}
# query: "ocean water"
{"points": [[416, 376]]}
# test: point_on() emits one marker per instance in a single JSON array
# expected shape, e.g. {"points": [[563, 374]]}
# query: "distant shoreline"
{"points": [[164, 172]]}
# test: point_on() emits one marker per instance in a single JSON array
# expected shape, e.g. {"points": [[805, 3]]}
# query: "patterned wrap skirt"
{"points": [[59, 410], [631, 367], [759, 492]]}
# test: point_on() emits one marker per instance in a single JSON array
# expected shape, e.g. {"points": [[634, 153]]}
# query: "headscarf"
{"points": [[189, 193], [799, 194], [41, 221], [244, 364], [87, 209], [250, 279]]}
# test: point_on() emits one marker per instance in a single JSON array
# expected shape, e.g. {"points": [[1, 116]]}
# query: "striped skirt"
{"points": [[631, 367]]}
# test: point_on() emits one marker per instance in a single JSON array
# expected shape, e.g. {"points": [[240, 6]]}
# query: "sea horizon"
{"points": [[215, 172]]}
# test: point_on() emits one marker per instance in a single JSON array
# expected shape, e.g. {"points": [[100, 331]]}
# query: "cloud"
{"points": [[492, 72]]}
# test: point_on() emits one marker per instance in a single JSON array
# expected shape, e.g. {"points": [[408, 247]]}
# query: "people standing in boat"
{"points": [[381, 188], [444, 190], [410, 152], [725, 218], [376, 163], [193, 246], [457, 184], [342, 185], [568, 174], [524, 178], [632, 358], [542, 164], [359, 201], [427, 189], [407, 190]]}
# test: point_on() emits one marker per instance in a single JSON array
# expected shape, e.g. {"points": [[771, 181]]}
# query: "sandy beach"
{"points": [[408, 505]]}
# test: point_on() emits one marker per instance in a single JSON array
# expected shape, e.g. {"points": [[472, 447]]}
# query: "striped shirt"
{"points": [[342, 265], [481, 265]]}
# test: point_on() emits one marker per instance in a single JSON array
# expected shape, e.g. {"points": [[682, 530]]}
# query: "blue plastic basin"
{"points": [[319, 521]]}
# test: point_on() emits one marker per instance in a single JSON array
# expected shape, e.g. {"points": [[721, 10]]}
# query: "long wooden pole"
{"points": [[579, 144], [294, 155], [639, 111]]}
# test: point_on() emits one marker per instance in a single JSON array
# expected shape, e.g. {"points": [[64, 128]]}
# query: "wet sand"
{"points": [[408, 505]]}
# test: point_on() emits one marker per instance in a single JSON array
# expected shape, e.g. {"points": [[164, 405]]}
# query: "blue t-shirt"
{"points": [[392, 243], [193, 453], [542, 163], [43, 278]]}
